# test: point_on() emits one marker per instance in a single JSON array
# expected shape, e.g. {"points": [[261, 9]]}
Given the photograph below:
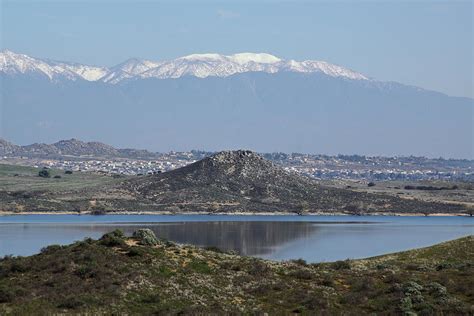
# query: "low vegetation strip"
{"points": [[143, 275]]}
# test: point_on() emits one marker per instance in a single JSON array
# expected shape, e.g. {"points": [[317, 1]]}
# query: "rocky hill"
{"points": [[226, 182], [7, 148], [243, 181], [71, 147]]}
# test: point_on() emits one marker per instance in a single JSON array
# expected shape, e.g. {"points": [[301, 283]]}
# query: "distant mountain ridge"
{"points": [[12, 63], [71, 147], [75, 147], [197, 65]]}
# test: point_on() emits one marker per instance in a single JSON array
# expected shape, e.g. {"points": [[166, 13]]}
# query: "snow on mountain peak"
{"points": [[203, 57], [13, 63], [241, 58], [262, 58], [197, 65], [128, 69]]}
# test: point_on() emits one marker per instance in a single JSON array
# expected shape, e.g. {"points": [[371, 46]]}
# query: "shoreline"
{"points": [[3, 213]]}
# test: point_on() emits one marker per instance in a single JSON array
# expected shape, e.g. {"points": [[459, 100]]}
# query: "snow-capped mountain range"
{"points": [[197, 65], [255, 101]]}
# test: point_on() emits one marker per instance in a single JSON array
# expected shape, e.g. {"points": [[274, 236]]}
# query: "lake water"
{"points": [[313, 238]]}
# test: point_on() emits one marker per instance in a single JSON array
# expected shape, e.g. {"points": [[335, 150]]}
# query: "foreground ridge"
{"points": [[143, 275]]}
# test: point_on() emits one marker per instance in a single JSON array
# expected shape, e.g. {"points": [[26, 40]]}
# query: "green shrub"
{"points": [[258, 268], [71, 302], [425, 309], [86, 271], [341, 265], [413, 290], [98, 212], [437, 289], [151, 298], [214, 249], [301, 274], [19, 266], [51, 248], [199, 267], [444, 265], [382, 266], [406, 305], [165, 271], [136, 252], [364, 284], [44, 173], [300, 262], [113, 239], [327, 280], [6, 294]]}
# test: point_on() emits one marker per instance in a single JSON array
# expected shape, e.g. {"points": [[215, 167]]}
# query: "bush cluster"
{"points": [[113, 239]]}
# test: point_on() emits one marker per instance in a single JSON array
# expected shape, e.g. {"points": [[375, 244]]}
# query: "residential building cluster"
{"points": [[317, 166]]}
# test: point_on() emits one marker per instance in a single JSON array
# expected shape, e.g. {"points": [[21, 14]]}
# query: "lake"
{"points": [[313, 238]]}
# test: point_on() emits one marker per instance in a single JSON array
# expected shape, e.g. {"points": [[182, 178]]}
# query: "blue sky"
{"points": [[425, 43]]}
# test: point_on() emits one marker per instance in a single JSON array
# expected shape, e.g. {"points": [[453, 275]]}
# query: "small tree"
{"points": [[470, 210], [214, 207], [68, 172], [302, 208], [44, 173]]}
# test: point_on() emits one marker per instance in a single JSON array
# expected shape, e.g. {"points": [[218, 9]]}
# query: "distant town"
{"points": [[322, 167]]}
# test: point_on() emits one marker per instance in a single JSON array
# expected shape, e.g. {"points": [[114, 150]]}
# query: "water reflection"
{"points": [[273, 238], [246, 238]]}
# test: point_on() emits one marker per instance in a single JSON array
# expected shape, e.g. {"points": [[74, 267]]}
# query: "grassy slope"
{"points": [[127, 278], [463, 194], [21, 189], [20, 178]]}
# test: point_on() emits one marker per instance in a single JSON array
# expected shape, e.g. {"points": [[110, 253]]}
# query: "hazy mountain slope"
{"points": [[290, 112]]}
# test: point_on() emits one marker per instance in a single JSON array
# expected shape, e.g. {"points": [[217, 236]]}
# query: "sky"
{"points": [[423, 43]]}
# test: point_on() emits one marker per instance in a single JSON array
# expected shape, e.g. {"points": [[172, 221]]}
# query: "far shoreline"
{"points": [[9, 213]]}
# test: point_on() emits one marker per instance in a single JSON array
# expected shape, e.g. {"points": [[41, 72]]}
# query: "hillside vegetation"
{"points": [[140, 275]]}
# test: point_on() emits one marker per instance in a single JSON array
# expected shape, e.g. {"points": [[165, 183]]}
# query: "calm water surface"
{"points": [[313, 238]]}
